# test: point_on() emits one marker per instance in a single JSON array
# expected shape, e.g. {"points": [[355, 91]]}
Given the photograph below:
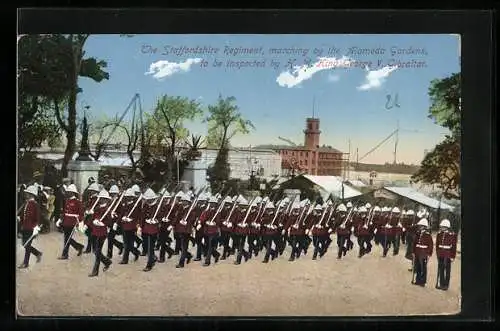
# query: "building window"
{"points": [[305, 161], [300, 154], [310, 126], [307, 154]]}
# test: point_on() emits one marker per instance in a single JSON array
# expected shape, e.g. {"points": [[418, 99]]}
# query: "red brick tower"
{"points": [[311, 133]]}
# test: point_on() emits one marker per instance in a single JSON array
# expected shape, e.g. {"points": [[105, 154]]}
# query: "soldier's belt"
{"points": [[445, 246], [73, 215], [421, 246]]}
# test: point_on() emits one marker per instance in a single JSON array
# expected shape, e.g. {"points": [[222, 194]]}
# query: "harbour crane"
{"points": [[288, 141]]}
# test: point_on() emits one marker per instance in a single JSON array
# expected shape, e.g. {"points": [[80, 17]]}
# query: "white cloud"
{"points": [[375, 78], [163, 69], [294, 77], [333, 78]]}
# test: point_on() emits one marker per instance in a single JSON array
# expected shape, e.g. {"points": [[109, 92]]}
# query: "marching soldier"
{"points": [[114, 191], [29, 223], [378, 222], [72, 215], [422, 250], [343, 230], [128, 214], [239, 218], [254, 228], [396, 230], [296, 231], [409, 228], [149, 226], [198, 237], [363, 232], [90, 201], [101, 220], [226, 227], [210, 230], [385, 231], [165, 225], [316, 218], [446, 250], [183, 226], [178, 206], [269, 231]]}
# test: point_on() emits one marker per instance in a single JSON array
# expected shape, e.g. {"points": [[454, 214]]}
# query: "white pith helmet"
{"points": [[149, 195], [423, 222], [94, 187], [72, 188], [114, 190], [104, 194], [31, 190], [445, 223]]}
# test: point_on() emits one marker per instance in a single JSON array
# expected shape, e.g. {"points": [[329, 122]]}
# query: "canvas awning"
{"points": [[418, 197], [332, 185]]}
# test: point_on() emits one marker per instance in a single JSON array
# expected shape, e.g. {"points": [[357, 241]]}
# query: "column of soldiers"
{"points": [[239, 227]]}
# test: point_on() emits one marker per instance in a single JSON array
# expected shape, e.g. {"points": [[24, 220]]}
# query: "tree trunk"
{"points": [[68, 153]]}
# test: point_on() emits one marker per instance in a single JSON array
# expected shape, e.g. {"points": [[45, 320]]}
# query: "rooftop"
{"points": [[324, 149]]}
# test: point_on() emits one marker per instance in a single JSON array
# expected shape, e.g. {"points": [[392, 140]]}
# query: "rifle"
{"points": [[30, 239]]}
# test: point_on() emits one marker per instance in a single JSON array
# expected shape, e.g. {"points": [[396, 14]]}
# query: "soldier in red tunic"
{"points": [[91, 196], [363, 232], [269, 231], [72, 213], [149, 226], [254, 226], [114, 193], [166, 206], [198, 236], [294, 230], [101, 220], [385, 231], [446, 250], [183, 225], [409, 230], [225, 227], [378, 222], [396, 230], [315, 222], [210, 230], [240, 221], [422, 250], [342, 227], [29, 220], [128, 214]]}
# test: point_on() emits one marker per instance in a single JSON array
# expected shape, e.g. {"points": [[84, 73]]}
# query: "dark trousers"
{"points": [[295, 244], [395, 242], [305, 242], [253, 244], [128, 241], [145, 246], [409, 246], [72, 242], [177, 239], [90, 240], [420, 269], [113, 242], [239, 242], [198, 238], [341, 244], [444, 271], [28, 250], [320, 243], [268, 242], [224, 241], [184, 242], [211, 245], [149, 241], [365, 245], [99, 257], [386, 240], [280, 242], [164, 244]]}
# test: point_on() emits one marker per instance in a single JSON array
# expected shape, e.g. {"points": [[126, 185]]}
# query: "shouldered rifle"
{"points": [[248, 212], [135, 206]]}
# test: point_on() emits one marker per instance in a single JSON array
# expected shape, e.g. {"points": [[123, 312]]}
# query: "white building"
{"points": [[242, 161], [265, 163]]}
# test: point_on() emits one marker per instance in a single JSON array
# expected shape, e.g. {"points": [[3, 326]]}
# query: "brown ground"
{"points": [[327, 287]]}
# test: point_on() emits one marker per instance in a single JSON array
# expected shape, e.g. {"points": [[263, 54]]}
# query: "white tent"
{"points": [[332, 185], [421, 198]]}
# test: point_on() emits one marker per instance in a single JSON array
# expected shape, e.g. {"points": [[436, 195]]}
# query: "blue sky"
{"points": [[349, 98]]}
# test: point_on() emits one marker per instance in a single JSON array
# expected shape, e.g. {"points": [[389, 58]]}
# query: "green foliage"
{"points": [[442, 165], [225, 121], [445, 107]]}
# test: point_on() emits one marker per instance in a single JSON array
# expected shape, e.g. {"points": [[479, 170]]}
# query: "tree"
{"points": [[225, 116], [225, 121], [169, 116], [441, 166]]}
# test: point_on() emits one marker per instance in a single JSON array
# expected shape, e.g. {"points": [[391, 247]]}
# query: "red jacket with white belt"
{"points": [[72, 212], [30, 216], [423, 245], [99, 211], [446, 244]]}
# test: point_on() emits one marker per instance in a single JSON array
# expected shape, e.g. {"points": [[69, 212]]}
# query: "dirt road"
{"points": [[368, 286]]}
